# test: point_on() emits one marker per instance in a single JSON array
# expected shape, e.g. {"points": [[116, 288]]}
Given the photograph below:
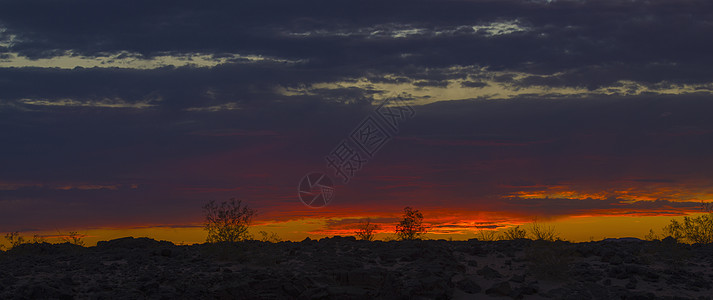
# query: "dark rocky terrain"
{"points": [[343, 268]]}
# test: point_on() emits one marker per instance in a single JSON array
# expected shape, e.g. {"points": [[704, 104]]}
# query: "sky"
{"points": [[125, 118]]}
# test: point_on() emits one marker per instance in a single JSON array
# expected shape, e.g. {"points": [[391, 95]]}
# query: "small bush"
{"points": [[38, 239], [365, 230], [269, 237], [543, 232], [74, 238], [227, 222], [513, 233], [15, 239], [694, 230], [651, 236], [487, 235], [411, 226]]}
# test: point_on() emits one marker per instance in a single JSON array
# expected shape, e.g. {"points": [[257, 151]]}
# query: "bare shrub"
{"points": [[543, 232], [15, 239], [487, 235], [365, 230], [269, 237], [651, 236], [74, 238], [411, 226], [38, 239], [227, 222], [513, 233]]}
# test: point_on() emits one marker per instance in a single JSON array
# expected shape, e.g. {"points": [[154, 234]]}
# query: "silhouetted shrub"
{"points": [[513, 233], [692, 229], [651, 236], [270, 237], [411, 226], [44, 248], [227, 222], [15, 239], [543, 232], [36, 239], [365, 230], [74, 238], [487, 235]]}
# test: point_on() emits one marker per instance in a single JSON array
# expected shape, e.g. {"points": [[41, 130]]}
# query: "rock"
{"points": [[67, 280], [435, 287], [616, 260], [623, 239], [518, 278], [347, 292], [488, 273], [669, 240], [650, 276], [315, 293], [291, 289], [585, 250], [631, 284], [365, 278], [132, 243], [469, 286], [528, 290], [166, 252], [499, 289], [618, 273]]}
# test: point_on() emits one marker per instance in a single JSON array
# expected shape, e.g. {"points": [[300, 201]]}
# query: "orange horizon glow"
{"points": [[572, 228]]}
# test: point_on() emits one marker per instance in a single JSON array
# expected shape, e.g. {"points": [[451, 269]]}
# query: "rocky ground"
{"points": [[343, 268]]}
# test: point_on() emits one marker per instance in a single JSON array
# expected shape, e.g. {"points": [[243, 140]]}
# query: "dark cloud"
{"points": [[549, 207], [475, 84], [591, 41]]}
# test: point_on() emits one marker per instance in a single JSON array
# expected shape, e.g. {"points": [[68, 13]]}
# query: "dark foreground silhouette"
{"points": [[344, 268]]}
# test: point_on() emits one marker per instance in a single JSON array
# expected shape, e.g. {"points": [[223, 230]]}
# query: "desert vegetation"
{"points": [[522, 261], [269, 237], [691, 230], [411, 226], [513, 233], [366, 230], [228, 221], [543, 232], [15, 239], [486, 235]]}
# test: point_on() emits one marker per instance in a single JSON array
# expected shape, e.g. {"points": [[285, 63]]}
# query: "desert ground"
{"points": [[346, 268]]}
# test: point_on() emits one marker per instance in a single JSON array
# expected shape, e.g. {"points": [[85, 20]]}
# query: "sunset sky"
{"points": [[124, 117]]}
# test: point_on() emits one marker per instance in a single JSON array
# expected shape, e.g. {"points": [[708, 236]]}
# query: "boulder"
{"points": [[499, 289], [469, 286], [489, 273]]}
